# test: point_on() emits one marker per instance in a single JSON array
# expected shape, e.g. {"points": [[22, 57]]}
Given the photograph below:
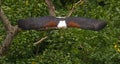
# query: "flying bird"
{"points": [[60, 22]]}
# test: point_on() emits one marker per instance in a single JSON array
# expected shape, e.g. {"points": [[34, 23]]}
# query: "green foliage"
{"points": [[66, 46]]}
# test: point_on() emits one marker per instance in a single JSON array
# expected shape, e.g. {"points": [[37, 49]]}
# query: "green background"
{"points": [[66, 46]]}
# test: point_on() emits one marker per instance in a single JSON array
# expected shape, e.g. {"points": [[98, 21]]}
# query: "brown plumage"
{"points": [[50, 21], [87, 23]]}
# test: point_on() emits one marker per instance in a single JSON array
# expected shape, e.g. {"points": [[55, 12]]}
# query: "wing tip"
{"points": [[100, 26]]}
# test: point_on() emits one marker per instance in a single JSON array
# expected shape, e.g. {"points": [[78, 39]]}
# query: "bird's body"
{"points": [[62, 24], [50, 22]]}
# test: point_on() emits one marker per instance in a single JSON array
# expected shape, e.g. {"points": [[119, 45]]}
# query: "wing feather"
{"points": [[87, 23], [37, 23]]}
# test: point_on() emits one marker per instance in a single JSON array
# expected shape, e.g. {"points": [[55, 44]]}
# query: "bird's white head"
{"points": [[62, 24]]}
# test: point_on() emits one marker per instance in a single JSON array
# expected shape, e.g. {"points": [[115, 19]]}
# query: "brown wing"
{"points": [[37, 23], [85, 23]]}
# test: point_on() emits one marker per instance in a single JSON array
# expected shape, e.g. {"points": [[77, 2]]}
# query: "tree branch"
{"points": [[52, 13], [11, 32], [42, 39], [5, 20], [73, 8], [51, 7]]}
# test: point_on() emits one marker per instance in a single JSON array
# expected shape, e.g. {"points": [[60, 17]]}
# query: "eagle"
{"points": [[60, 22]]}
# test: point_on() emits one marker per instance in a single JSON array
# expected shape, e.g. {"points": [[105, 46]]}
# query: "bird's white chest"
{"points": [[62, 24]]}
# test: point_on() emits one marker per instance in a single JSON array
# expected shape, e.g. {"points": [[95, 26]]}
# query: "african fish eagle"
{"points": [[51, 22]]}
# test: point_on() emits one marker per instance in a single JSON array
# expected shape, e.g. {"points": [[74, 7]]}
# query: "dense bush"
{"points": [[67, 46]]}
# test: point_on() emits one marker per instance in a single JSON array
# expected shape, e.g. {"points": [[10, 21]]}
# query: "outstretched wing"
{"points": [[37, 23], [85, 23]]}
